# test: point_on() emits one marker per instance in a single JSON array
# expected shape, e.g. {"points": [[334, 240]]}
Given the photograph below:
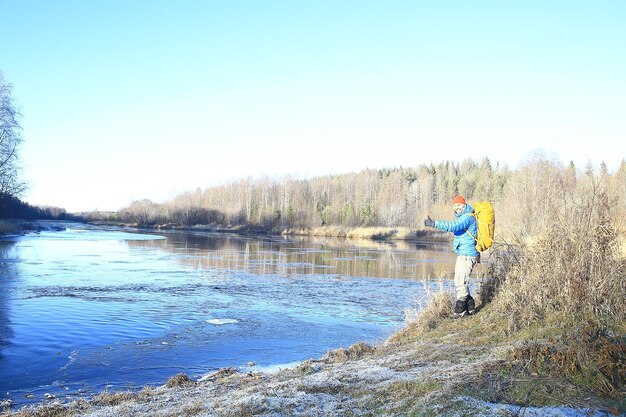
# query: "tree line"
{"points": [[12, 207], [10, 140], [384, 197], [11, 185], [394, 197]]}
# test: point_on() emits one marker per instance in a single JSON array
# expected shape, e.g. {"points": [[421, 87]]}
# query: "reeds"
{"points": [[571, 276], [437, 307], [572, 272]]}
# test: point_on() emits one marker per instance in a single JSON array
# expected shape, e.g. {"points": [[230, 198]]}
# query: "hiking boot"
{"points": [[459, 308], [470, 305]]}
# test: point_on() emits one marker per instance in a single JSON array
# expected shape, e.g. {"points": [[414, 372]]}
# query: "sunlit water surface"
{"points": [[87, 309]]}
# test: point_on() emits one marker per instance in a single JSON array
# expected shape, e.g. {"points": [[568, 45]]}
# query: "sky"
{"points": [[129, 99]]}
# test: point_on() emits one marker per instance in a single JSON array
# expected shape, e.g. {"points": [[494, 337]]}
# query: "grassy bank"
{"points": [[555, 301]]}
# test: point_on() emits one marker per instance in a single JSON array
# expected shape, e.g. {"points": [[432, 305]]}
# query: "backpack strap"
{"points": [[467, 230]]}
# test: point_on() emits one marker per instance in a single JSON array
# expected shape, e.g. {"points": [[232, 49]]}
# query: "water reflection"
{"points": [[287, 256], [7, 272], [92, 308]]}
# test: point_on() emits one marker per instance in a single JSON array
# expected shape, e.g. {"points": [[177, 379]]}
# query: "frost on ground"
{"points": [[490, 409], [411, 379]]}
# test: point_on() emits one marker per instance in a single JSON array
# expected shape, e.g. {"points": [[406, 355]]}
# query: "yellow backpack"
{"points": [[485, 224]]}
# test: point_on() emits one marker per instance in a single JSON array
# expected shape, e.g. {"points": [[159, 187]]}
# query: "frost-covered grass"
{"points": [[430, 376]]}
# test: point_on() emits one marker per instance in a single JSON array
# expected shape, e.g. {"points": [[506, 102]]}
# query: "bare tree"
{"points": [[142, 212], [384, 197], [10, 140]]}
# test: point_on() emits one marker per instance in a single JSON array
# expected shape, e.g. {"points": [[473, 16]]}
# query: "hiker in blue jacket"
{"points": [[464, 229]]}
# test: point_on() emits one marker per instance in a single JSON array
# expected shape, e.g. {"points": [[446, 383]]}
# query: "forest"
{"points": [[387, 198]]}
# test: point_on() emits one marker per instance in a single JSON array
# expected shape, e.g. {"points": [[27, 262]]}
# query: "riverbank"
{"points": [[370, 233], [458, 368], [17, 227]]}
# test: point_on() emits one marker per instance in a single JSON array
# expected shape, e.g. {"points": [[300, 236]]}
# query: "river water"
{"points": [[87, 309]]}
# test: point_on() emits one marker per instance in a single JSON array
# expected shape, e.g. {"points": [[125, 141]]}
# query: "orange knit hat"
{"points": [[458, 200]]}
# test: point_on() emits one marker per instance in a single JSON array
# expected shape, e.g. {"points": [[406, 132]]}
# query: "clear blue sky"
{"points": [[125, 100]]}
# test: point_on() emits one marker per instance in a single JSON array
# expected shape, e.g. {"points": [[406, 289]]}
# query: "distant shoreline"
{"points": [[20, 227], [368, 233]]}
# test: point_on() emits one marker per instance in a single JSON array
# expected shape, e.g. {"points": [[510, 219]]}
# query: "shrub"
{"points": [[571, 273], [571, 276]]}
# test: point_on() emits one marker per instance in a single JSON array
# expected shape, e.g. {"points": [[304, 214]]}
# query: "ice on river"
{"points": [[131, 309]]}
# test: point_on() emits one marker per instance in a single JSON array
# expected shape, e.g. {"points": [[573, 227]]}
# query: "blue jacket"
{"points": [[464, 242]]}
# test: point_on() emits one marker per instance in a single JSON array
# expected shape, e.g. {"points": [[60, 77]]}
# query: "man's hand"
{"points": [[429, 222]]}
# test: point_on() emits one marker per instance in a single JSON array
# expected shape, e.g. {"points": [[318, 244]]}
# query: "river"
{"points": [[88, 308]]}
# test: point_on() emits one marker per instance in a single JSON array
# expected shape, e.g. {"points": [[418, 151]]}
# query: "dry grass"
{"points": [[220, 375], [54, 410], [51, 410], [375, 233], [414, 388], [192, 409], [112, 398], [571, 276], [600, 365], [305, 368], [325, 231], [437, 309], [180, 380], [572, 273], [356, 351]]}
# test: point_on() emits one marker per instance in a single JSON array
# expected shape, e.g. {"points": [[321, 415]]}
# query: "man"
{"points": [[464, 229]]}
